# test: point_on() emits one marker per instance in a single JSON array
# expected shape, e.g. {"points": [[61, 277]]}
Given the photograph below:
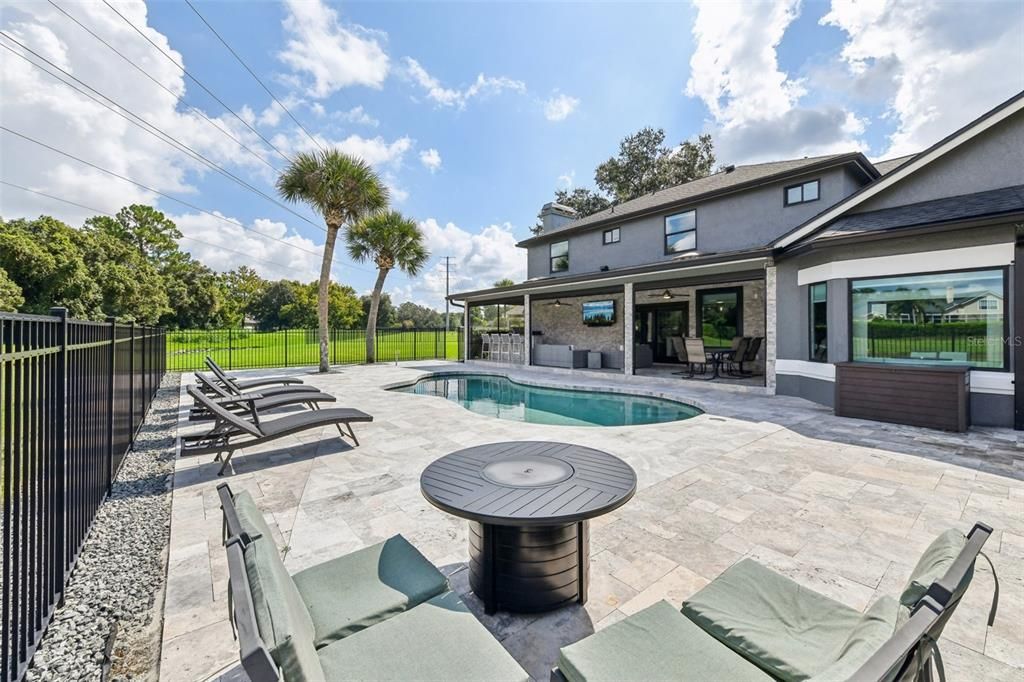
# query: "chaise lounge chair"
{"points": [[244, 384], [260, 401], [380, 613], [229, 427], [752, 624]]}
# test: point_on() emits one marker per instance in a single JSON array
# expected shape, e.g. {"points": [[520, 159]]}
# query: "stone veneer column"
{"points": [[627, 323], [467, 343], [527, 331], [770, 327]]}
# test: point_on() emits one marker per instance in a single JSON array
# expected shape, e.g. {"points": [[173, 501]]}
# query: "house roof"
{"points": [[742, 177], [947, 209], [888, 165], [979, 125]]}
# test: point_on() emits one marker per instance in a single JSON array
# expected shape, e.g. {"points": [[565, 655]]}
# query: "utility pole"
{"points": [[447, 267]]}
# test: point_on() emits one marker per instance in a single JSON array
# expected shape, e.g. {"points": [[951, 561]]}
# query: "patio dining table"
{"points": [[528, 504]]}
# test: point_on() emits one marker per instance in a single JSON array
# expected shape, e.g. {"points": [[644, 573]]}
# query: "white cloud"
{"points": [[431, 159], [270, 258], [480, 258], [331, 55], [937, 65], [451, 97], [566, 180], [39, 106], [559, 106], [356, 115], [756, 108]]}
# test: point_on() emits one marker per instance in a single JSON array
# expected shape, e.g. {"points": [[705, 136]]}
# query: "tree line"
{"points": [[131, 266]]}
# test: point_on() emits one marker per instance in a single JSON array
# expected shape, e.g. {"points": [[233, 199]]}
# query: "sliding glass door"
{"points": [[657, 324]]}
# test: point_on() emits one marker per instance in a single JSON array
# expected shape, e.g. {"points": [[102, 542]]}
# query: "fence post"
{"points": [[286, 350], [230, 336], [131, 386], [112, 321], [60, 400]]}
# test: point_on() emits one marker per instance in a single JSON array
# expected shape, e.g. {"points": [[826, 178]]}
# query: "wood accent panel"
{"points": [[931, 396]]}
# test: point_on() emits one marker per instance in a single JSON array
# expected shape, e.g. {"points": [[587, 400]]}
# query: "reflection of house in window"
{"points": [[979, 307]]}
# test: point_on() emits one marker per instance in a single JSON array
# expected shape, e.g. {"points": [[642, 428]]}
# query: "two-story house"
{"points": [[825, 260]]}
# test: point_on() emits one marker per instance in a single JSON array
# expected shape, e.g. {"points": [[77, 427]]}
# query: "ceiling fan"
{"points": [[558, 304], [666, 295]]}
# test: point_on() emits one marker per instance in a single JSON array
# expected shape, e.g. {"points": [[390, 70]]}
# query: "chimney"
{"points": [[554, 215]]}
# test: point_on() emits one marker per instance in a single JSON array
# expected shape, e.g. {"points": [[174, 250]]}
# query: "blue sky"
{"points": [[476, 112]]}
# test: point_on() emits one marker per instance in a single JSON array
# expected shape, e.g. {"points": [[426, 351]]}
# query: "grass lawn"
{"points": [[238, 349]]}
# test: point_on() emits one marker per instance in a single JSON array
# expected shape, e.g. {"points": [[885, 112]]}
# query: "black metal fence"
{"points": [[244, 349], [73, 395]]}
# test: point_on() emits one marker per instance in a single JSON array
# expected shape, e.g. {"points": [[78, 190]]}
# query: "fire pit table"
{"points": [[528, 504]]}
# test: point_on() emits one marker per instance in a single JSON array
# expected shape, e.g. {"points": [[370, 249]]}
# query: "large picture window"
{"points": [[819, 322], [721, 316], [559, 256], [952, 317], [681, 232]]}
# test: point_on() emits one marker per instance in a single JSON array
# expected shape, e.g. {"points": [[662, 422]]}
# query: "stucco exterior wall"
{"points": [[749, 219]]}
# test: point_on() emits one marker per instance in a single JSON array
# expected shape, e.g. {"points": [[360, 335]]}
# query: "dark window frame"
{"points": [[811, 321], [699, 312], [801, 185], [1006, 319], [666, 235], [618, 236], [551, 259]]}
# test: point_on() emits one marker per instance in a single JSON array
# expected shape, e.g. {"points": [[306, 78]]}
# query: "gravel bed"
{"points": [[114, 600]]}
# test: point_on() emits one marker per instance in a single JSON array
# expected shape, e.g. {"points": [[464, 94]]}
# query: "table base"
{"points": [[529, 568]]}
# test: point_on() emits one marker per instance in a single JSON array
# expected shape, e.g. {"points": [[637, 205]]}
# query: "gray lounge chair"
{"points": [[211, 386], [752, 624], [260, 401], [381, 613], [244, 384], [228, 428]]}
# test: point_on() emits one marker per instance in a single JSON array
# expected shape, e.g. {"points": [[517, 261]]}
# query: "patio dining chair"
{"points": [[735, 356], [753, 349], [232, 431], [696, 355]]}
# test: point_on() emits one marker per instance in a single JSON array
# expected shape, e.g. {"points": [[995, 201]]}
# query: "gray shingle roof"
{"points": [[965, 206], [891, 164], [694, 189]]}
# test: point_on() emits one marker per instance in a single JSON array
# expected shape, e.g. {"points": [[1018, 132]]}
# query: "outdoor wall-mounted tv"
{"points": [[599, 313]]}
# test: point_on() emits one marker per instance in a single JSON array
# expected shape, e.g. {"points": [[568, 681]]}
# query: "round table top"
{"points": [[528, 483]]}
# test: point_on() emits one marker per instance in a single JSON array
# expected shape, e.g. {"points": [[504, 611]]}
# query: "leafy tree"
{"points": [[153, 234], [10, 294], [584, 201], [346, 310], [267, 307], [43, 258], [645, 164], [413, 315], [241, 286], [391, 241], [130, 286], [504, 282], [195, 294], [341, 188], [386, 316]]}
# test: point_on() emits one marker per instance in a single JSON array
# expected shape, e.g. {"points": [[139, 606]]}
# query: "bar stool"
{"points": [[485, 346], [505, 348], [516, 351]]}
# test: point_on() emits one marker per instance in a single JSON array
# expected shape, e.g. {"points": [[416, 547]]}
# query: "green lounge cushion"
{"points": [[875, 628], [781, 626], [932, 565], [438, 640], [355, 591], [281, 615], [657, 643]]}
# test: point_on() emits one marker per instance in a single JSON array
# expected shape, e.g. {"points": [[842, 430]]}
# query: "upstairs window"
{"points": [[819, 323], [559, 256], [681, 232], [802, 193], [611, 236]]}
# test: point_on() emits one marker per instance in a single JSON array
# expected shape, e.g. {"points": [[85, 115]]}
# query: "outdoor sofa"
{"points": [[751, 625], [381, 613]]}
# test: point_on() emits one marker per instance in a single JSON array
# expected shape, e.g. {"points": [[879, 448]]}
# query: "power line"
{"points": [[154, 191], [289, 268], [253, 74], [165, 88], [198, 82], [159, 134]]}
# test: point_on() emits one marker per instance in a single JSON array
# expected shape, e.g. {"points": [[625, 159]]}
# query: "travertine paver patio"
{"points": [[842, 506]]}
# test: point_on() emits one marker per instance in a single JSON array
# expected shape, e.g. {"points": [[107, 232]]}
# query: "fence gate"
{"points": [[73, 395]]}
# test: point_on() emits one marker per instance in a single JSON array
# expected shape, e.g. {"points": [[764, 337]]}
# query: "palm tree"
{"points": [[341, 188], [391, 241]]}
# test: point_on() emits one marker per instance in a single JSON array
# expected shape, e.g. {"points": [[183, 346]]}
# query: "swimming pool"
{"points": [[498, 396]]}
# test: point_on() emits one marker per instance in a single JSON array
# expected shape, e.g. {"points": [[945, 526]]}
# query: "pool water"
{"points": [[498, 396]]}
